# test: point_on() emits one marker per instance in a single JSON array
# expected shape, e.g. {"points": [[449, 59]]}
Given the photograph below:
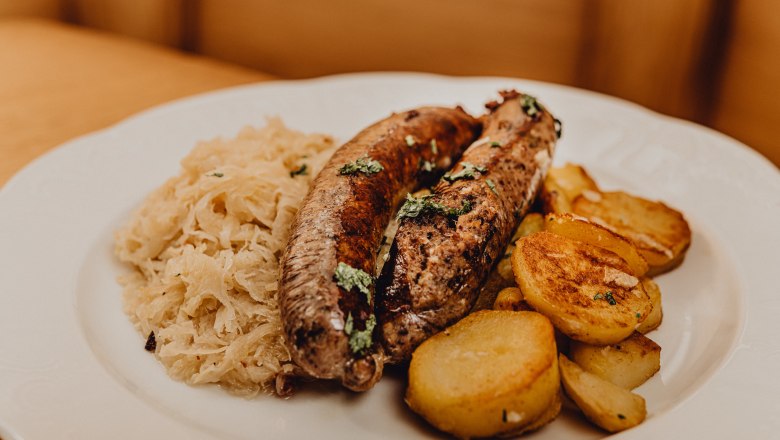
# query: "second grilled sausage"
{"points": [[447, 243]]}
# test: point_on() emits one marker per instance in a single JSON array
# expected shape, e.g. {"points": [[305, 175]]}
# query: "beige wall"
{"points": [[711, 61]]}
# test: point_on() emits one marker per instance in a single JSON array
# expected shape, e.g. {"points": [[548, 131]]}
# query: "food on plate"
{"points": [[250, 271], [659, 232], [326, 290], [562, 185], [582, 229], [447, 243], [492, 373], [204, 251], [627, 364], [607, 405], [655, 317], [589, 293]]}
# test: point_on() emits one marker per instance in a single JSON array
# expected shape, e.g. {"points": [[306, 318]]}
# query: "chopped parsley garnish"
{"points": [[301, 171], [495, 144], [410, 140], [558, 127], [427, 166], [364, 165], [417, 206], [492, 186], [621, 417], [434, 147], [348, 277], [216, 175], [530, 105], [151, 342], [360, 340], [466, 173], [638, 315], [607, 296]]}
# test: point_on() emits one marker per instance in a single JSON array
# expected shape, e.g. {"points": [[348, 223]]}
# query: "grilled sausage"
{"points": [[445, 250], [328, 317]]}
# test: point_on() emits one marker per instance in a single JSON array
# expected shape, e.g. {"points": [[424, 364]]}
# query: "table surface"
{"points": [[59, 82]]}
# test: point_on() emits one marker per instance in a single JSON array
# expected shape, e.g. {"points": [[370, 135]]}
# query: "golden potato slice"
{"points": [[580, 228], [659, 232], [588, 292], [551, 413], [532, 223], [564, 184], [603, 403], [627, 364], [511, 298], [492, 372], [653, 320]]}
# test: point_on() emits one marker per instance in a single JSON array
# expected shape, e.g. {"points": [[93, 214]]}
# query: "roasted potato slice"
{"points": [[582, 229], [588, 292], [659, 232], [653, 320], [627, 364], [605, 404], [492, 372], [510, 298], [564, 184], [532, 223]]}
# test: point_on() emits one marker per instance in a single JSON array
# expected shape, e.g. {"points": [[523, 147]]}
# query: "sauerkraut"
{"points": [[205, 248]]}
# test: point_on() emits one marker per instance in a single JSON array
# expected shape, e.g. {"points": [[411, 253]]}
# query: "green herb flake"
{"points": [[598, 296], [301, 171], [427, 166], [360, 340], [216, 175], [364, 165], [410, 140], [417, 206], [495, 144], [621, 417], [492, 186], [434, 147], [348, 277], [530, 105], [610, 299], [638, 315], [467, 172]]}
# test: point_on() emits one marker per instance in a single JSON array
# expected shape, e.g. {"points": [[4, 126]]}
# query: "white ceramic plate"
{"points": [[72, 366]]}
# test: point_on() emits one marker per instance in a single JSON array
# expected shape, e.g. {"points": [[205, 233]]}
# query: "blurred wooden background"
{"points": [[711, 61]]}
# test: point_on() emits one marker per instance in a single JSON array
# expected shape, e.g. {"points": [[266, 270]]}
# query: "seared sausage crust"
{"points": [[437, 263], [342, 220]]}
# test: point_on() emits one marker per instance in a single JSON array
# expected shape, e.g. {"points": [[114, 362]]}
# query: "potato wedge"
{"points": [[510, 298], [532, 223], [580, 228], [653, 320], [588, 292], [605, 404], [659, 232], [627, 364], [492, 372], [562, 185]]}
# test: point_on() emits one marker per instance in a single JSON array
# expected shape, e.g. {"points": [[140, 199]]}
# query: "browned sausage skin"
{"points": [[444, 251], [326, 292]]}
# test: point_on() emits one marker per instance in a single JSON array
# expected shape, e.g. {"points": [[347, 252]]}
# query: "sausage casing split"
{"points": [[438, 262], [342, 220]]}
